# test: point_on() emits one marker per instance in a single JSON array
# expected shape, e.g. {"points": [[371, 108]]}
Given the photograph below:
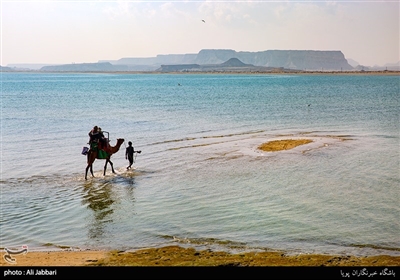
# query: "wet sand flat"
{"points": [[179, 256]]}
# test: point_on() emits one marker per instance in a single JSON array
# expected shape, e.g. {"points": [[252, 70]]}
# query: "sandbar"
{"points": [[280, 145]]}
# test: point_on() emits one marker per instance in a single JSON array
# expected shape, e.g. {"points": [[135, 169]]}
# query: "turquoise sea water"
{"points": [[200, 179]]}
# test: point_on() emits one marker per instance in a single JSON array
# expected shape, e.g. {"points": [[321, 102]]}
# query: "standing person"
{"points": [[130, 150]]}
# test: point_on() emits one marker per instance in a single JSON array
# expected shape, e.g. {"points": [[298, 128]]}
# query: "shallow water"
{"points": [[200, 179]]}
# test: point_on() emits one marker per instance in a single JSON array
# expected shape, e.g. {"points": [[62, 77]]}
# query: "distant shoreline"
{"points": [[294, 72]]}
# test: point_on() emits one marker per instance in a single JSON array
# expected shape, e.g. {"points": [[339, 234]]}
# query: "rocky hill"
{"points": [[231, 65], [290, 59], [215, 60], [234, 62]]}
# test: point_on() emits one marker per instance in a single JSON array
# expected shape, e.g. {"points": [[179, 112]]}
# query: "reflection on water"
{"points": [[98, 198], [104, 199]]}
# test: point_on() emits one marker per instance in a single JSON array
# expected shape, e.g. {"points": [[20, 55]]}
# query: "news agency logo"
{"points": [[9, 252]]}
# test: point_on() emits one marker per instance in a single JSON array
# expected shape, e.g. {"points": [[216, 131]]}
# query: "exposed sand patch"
{"points": [[280, 145]]}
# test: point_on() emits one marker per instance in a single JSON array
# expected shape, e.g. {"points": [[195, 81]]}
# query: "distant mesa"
{"points": [[214, 60], [217, 60], [84, 67]]}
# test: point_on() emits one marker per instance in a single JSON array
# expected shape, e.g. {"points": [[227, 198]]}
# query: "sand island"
{"points": [[279, 145]]}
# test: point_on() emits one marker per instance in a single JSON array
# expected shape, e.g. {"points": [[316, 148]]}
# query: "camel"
{"points": [[92, 155]]}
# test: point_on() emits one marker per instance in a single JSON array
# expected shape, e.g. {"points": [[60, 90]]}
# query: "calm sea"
{"points": [[200, 179]]}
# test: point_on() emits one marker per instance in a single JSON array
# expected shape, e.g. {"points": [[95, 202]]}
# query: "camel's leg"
{"points": [[105, 167], [87, 168], [90, 160], [91, 170], [112, 166]]}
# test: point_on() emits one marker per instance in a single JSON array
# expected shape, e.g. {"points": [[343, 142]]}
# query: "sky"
{"points": [[72, 31]]}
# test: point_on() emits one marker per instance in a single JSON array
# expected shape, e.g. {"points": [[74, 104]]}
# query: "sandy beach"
{"points": [[175, 262], [180, 256]]}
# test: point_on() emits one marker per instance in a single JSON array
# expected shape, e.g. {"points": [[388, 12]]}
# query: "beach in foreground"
{"points": [[179, 256]]}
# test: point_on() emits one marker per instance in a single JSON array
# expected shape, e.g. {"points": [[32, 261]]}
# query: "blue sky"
{"points": [[61, 32]]}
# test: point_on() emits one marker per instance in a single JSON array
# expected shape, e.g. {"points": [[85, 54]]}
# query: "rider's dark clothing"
{"points": [[94, 137]]}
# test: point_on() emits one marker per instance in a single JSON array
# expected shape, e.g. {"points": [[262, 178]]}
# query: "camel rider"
{"points": [[103, 140], [97, 139], [94, 136]]}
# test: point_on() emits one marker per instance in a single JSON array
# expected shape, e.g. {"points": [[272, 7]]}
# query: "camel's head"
{"points": [[120, 141]]}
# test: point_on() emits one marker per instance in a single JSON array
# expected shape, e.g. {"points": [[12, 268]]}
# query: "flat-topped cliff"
{"points": [[209, 59], [290, 59]]}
